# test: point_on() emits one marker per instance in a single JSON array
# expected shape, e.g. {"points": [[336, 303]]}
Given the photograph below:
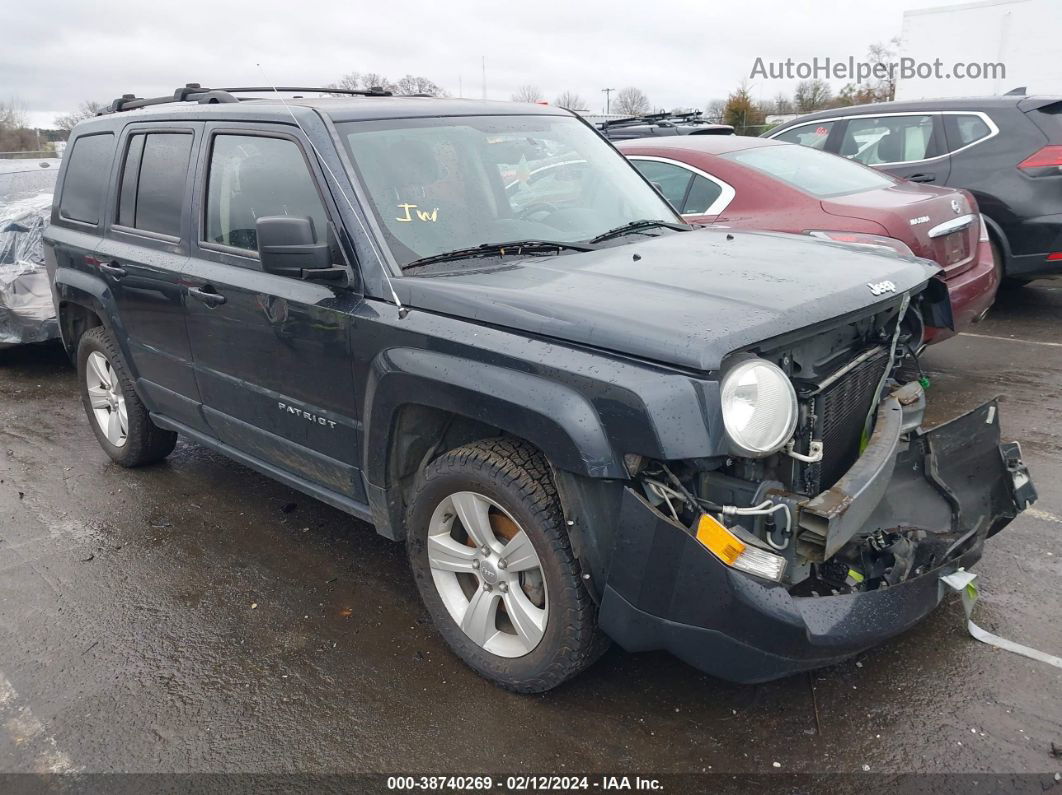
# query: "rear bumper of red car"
{"points": [[972, 292]]}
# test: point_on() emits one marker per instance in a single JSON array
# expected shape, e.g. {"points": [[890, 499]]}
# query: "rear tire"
{"points": [[1005, 282], [117, 416], [527, 630]]}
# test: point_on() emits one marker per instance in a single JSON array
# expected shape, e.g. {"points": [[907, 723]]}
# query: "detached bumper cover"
{"points": [[956, 484]]}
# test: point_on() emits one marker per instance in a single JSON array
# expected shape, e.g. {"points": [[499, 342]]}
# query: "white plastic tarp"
{"points": [[26, 310]]}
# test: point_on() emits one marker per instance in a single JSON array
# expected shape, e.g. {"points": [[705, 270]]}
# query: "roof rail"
{"points": [[624, 120], [194, 92]]}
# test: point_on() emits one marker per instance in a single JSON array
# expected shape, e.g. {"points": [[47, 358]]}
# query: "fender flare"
{"points": [[92, 293], [558, 420]]}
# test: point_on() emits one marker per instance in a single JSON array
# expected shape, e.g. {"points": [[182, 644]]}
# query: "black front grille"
{"points": [[842, 409]]}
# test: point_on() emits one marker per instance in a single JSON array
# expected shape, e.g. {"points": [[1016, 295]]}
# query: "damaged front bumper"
{"points": [[943, 491]]}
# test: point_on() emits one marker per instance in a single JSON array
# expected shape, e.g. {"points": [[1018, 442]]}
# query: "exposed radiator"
{"points": [[841, 409]]}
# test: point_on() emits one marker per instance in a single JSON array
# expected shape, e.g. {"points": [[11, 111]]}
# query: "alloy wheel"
{"points": [[488, 574], [107, 399]]}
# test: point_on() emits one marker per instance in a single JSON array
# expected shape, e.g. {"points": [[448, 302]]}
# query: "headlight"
{"points": [[759, 407]]}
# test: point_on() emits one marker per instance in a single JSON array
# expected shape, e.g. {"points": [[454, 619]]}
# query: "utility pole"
{"points": [[608, 95], [484, 65]]}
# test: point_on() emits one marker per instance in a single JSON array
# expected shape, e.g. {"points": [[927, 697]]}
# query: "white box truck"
{"points": [[1025, 36]]}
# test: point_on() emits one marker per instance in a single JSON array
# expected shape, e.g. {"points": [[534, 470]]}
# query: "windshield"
{"points": [[436, 185], [817, 173]]}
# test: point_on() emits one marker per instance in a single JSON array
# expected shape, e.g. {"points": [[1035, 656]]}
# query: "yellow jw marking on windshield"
{"points": [[422, 215]]}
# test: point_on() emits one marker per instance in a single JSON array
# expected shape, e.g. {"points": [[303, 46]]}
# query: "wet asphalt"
{"points": [[196, 616]]}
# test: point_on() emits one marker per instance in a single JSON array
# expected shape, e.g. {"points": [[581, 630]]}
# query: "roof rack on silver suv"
{"points": [[194, 92]]}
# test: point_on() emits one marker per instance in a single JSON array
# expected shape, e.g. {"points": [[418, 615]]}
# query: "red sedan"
{"points": [[765, 184]]}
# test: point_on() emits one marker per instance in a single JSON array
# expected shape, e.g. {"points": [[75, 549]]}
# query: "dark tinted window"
{"points": [[130, 175], [87, 173], [970, 129], [671, 179], [153, 177], [702, 194], [251, 177], [1049, 120]]}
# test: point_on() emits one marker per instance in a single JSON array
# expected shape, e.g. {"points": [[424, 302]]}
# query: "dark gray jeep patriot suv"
{"points": [[477, 327]]}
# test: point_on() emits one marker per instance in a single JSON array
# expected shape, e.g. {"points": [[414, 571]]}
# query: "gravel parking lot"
{"points": [[196, 616]]}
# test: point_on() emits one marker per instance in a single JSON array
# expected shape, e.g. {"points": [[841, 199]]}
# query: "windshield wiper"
{"points": [[516, 247], [637, 226]]}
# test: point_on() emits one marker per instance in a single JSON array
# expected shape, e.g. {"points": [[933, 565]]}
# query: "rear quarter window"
{"points": [[965, 129], [87, 173]]}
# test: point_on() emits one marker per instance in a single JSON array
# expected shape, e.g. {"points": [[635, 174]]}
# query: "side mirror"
{"points": [[288, 246]]}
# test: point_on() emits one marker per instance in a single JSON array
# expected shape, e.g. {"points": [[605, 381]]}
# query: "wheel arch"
{"points": [[84, 302], [422, 403], [999, 237]]}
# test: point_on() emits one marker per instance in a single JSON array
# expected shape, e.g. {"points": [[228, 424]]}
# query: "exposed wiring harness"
{"points": [[676, 491], [869, 421]]}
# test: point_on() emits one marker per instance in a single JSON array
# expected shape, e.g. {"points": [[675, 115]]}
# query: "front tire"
{"points": [[494, 566], [117, 416]]}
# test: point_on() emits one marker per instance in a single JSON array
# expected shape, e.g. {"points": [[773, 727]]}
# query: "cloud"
{"points": [[684, 52]]}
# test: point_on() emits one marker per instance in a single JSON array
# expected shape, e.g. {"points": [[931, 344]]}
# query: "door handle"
{"points": [[923, 178], [112, 269], [207, 295]]}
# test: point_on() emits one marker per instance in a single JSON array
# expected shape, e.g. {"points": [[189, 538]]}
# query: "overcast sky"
{"points": [[57, 53]]}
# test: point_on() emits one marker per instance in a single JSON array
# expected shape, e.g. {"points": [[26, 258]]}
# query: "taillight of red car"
{"points": [[1045, 163]]}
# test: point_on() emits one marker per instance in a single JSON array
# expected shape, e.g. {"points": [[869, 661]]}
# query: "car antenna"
{"points": [[402, 310]]}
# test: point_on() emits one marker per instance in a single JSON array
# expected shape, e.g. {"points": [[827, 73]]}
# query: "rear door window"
{"points": [[87, 175], [254, 176], [812, 135], [702, 195], [673, 181], [153, 181], [880, 140]]}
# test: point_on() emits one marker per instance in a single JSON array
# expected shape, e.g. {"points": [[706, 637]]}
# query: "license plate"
{"points": [[955, 250]]}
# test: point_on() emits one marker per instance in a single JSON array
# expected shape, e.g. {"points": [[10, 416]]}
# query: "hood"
{"points": [[908, 211], [686, 299]]}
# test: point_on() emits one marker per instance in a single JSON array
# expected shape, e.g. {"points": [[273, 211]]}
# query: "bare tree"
{"points": [[14, 135], [812, 95], [527, 93], [570, 100], [376, 80], [410, 85], [782, 104], [12, 116], [351, 81], [631, 101], [713, 112], [85, 110]]}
